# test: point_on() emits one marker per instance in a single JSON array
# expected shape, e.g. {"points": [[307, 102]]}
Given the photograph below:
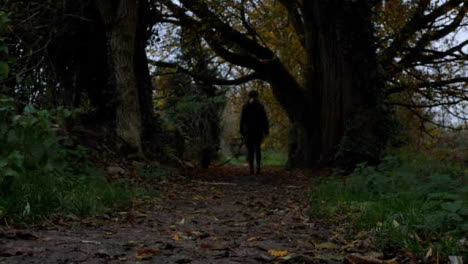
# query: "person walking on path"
{"points": [[253, 128]]}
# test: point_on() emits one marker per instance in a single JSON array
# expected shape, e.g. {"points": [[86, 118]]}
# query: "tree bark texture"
{"points": [[121, 19], [150, 130], [341, 80]]}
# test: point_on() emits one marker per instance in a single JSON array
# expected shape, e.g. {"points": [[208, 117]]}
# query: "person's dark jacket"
{"points": [[254, 121]]}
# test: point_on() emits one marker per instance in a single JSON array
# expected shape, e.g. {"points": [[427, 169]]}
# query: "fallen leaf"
{"points": [[199, 234], [146, 251], [132, 243], [90, 242], [176, 237], [101, 254], [131, 219], [326, 245], [391, 261], [181, 222], [277, 253], [429, 253], [139, 214], [145, 254], [254, 239], [197, 197]]}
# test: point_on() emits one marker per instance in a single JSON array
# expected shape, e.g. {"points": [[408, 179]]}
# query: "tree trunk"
{"points": [[341, 82], [121, 21], [150, 130], [342, 74]]}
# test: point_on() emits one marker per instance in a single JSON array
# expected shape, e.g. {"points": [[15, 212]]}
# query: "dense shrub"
{"points": [[42, 172], [409, 202]]}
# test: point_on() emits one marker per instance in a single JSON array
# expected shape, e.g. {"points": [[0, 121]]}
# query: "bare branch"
{"points": [[418, 22]]}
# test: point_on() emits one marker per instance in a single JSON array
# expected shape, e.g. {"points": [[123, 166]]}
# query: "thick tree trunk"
{"points": [[341, 82], [342, 73], [121, 21], [150, 130]]}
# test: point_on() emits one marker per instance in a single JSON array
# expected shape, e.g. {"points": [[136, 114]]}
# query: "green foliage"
{"points": [[274, 158], [409, 201], [154, 171], [360, 144], [269, 159], [193, 117], [40, 172]]}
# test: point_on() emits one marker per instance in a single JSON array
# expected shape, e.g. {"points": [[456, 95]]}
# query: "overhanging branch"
{"points": [[204, 78]]}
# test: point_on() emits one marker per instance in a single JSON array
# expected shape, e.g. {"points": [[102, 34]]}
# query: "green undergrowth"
{"points": [[155, 171], [269, 159], [43, 172], [409, 202]]}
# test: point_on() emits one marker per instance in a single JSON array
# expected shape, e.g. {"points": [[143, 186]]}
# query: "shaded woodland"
{"points": [[104, 103]]}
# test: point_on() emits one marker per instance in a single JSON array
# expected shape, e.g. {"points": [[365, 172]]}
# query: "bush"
{"points": [[42, 173], [409, 201]]}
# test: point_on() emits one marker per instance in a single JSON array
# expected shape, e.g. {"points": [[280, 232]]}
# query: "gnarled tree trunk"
{"points": [[341, 82], [344, 70]]}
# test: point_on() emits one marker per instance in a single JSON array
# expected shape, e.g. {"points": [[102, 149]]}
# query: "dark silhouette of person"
{"points": [[253, 128]]}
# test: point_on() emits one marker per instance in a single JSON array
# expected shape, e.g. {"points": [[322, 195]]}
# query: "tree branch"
{"points": [[415, 24], [204, 78], [248, 45], [295, 18], [216, 39], [430, 36]]}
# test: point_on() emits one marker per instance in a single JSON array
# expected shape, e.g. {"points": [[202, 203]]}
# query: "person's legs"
{"points": [[258, 152], [250, 155]]}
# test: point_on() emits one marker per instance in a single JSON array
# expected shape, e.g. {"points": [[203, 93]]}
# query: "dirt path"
{"points": [[219, 216]]}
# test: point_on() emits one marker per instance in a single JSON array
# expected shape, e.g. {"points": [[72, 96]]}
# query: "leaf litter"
{"points": [[221, 215]]}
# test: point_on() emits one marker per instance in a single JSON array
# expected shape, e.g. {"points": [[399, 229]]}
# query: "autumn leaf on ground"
{"points": [[326, 245], [197, 197], [176, 237], [277, 253], [139, 214], [90, 242], [254, 239], [144, 254], [212, 247], [181, 222]]}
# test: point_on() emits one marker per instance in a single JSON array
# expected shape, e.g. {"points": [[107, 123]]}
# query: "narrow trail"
{"points": [[222, 215]]}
